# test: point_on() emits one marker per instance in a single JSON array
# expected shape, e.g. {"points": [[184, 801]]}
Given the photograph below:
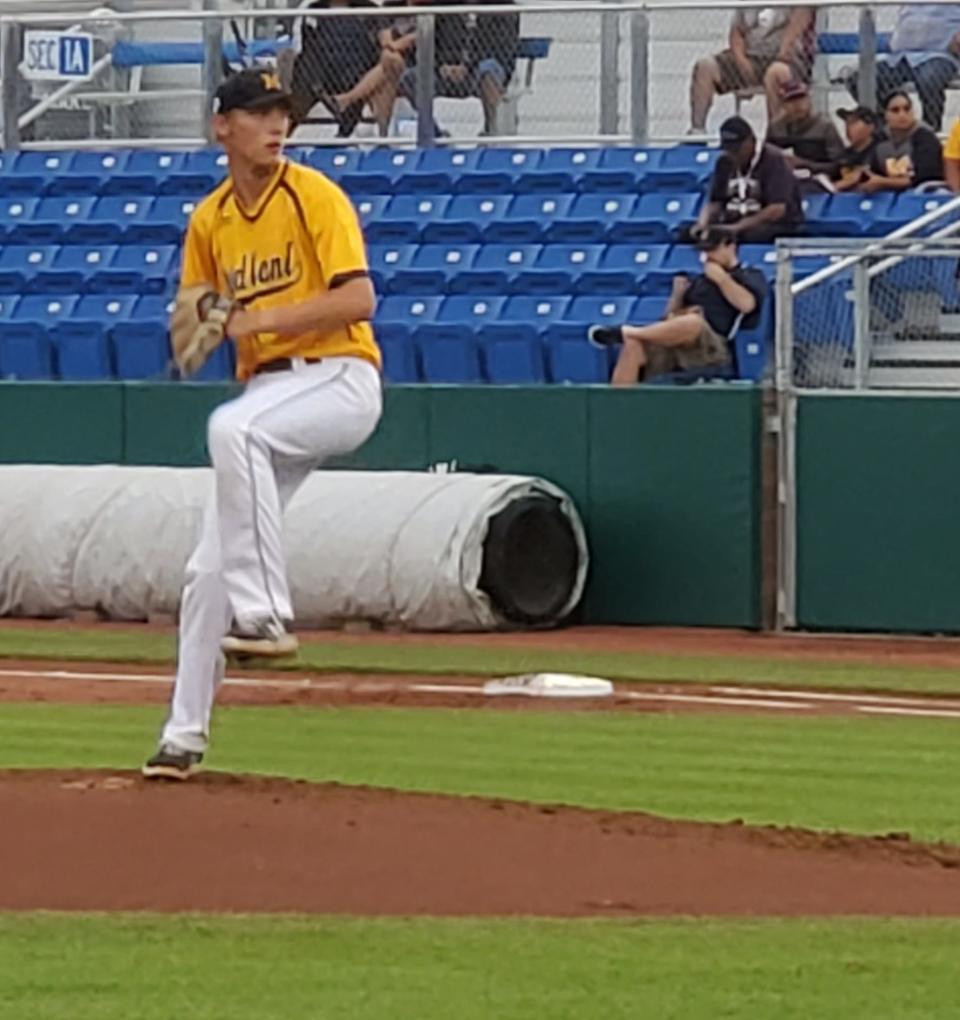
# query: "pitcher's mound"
{"points": [[109, 841]]}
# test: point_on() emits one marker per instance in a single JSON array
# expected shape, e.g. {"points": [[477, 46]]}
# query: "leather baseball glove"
{"points": [[198, 325]]}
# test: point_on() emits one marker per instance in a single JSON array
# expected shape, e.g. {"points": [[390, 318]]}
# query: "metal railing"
{"points": [[615, 72]]}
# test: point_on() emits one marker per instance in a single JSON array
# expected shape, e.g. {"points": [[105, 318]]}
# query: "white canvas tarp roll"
{"points": [[402, 548]]}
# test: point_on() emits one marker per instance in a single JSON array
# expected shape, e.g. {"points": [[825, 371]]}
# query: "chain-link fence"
{"points": [[869, 315]]}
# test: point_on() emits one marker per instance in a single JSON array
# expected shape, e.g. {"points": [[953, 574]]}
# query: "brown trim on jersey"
{"points": [[297, 204], [225, 197], [252, 217], [341, 278]]}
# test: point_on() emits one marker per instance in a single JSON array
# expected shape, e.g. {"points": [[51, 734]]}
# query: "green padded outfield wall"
{"points": [[878, 540], [667, 480]]}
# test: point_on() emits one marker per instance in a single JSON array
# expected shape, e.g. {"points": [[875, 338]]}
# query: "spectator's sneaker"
{"points": [[605, 336], [172, 762], [267, 638]]}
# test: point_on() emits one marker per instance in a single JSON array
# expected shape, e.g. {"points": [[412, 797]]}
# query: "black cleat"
{"points": [[605, 336], [172, 763]]}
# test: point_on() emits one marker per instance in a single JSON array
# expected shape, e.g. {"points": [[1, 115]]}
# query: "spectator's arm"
{"points": [[927, 157], [881, 182], [768, 214], [834, 150], [800, 20], [742, 298]]}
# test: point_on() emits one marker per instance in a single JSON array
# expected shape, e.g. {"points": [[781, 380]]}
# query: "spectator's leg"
{"points": [[491, 85], [704, 85], [777, 75], [679, 331], [932, 78], [385, 95]]}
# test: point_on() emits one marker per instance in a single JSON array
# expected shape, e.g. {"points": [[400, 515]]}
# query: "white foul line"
{"points": [[705, 699], [856, 699], [938, 713]]}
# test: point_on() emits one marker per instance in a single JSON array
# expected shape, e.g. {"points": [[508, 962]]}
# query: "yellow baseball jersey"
{"points": [[952, 149], [301, 239]]}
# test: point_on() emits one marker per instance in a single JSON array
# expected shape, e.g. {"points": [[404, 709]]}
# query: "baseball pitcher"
{"points": [[274, 260]]}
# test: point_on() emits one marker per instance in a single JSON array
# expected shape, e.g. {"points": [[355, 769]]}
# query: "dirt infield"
{"points": [[109, 841]]}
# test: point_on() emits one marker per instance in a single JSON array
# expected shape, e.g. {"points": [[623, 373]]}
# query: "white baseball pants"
{"points": [[263, 445]]}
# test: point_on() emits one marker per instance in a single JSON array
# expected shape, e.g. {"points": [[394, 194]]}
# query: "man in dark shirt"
{"points": [[809, 140], [753, 194], [702, 316]]}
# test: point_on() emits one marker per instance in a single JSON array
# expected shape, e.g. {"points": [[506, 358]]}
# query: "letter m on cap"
{"points": [[270, 81]]}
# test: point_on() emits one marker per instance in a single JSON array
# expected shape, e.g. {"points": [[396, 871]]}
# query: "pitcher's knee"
{"points": [[225, 434]]}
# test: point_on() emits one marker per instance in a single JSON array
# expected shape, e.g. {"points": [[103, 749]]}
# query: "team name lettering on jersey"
{"points": [[257, 274]]}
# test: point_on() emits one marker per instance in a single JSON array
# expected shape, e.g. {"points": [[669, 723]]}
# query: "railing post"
{"points": [[861, 323], [867, 81], [426, 49], [212, 64], [610, 73], [786, 612], [11, 50], [639, 77]]}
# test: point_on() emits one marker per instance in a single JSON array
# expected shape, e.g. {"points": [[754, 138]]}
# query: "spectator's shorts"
{"points": [[469, 86], [731, 77], [709, 350]]}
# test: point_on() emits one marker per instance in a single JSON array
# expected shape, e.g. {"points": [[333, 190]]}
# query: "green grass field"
{"points": [[478, 660], [858, 774]]}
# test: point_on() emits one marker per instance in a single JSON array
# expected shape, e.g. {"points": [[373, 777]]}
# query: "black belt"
{"points": [[282, 364]]}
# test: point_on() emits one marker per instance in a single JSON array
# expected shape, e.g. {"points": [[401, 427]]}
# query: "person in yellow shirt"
{"points": [[951, 158], [284, 243]]}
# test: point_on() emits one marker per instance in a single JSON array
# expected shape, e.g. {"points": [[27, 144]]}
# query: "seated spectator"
{"points": [[701, 318], [472, 60], [909, 156], [753, 194], [951, 158], [331, 56], [862, 129], [925, 50], [809, 140], [768, 48]]}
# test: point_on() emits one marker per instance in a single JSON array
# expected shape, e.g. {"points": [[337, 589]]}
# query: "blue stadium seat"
{"points": [[153, 172], [527, 219], [72, 269], [406, 218], [760, 256], [558, 268], [379, 171], [494, 269], [752, 348], [113, 219], [54, 220], [621, 171], [561, 170], [587, 310], [82, 353], [166, 220], [471, 312], [153, 308], [20, 264], [8, 305], [433, 268], [525, 318], [592, 219], [623, 269], [500, 171], [450, 360], [905, 207], [26, 351], [466, 219], [137, 269], [657, 217], [849, 215], [32, 173], [399, 360], [408, 312], [45, 311], [335, 163], [98, 314], [682, 168], [681, 258], [370, 208], [87, 173], [206, 165], [438, 171], [646, 310], [14, 214], [387, 259], [141, 348], [576, 361], [514, 362]]}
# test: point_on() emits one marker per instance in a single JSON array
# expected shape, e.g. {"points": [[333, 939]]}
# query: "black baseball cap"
{"points": [[863, 113], [251, 90], [734, 131], [714, 237]]}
